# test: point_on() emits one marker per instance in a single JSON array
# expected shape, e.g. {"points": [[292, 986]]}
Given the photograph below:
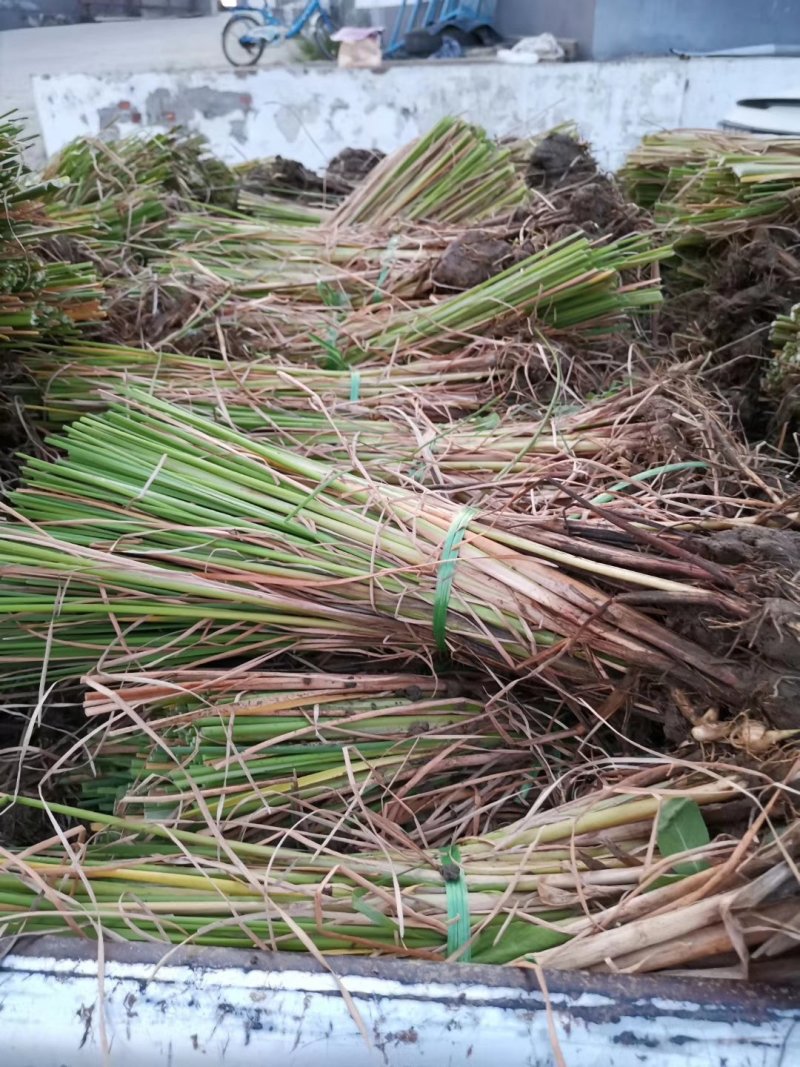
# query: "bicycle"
{"points": [[249, 30]]}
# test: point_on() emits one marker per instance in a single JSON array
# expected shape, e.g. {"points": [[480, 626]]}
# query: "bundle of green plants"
{"points": [[783, 372], [254, 259], [40, 295], [277, 209], [714, 183], [655, 447], [325, 298], [736, 192], [46, 300], [116, 226], [176, 162], [69, 379], [332, 289], [454, 173], [341, 316], [159, 536], [663, 162], [473, 457], [324, 751], [115, 197], [653, 869], [20, 207], [574, 285]]}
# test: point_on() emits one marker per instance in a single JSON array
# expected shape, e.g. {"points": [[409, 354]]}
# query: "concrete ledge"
{"points": [[311, 112], [235, 1007]]}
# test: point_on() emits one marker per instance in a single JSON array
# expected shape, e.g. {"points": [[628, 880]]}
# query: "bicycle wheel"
{"points": [[322, 26], [241, 53]]}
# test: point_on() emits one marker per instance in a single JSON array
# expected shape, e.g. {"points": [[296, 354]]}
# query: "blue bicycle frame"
{"points": [[273, 21]]}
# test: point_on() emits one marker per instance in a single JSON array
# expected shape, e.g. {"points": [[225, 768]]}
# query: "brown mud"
{"points": [[559, 159], [287, 177], [352, 165], [471, 259]]}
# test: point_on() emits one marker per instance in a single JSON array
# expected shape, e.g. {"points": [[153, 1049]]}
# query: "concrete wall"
{"points": [[310, 113]]}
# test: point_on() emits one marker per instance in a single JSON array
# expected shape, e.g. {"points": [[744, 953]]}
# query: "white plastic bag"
{"points": [[543, 47]]}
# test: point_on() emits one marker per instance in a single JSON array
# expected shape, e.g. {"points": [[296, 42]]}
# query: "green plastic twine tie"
{"points": [[387, 260], [355, 386], [447, 570], [455, 886]]}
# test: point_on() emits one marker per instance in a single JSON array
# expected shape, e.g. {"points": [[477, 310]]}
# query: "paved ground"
{"points": [[141, 44]]}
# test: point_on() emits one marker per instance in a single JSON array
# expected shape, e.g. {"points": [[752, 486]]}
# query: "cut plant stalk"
{"points": [[782, 374], [321, 751], [277, 209], [175, 162], [38, 298], [188, 527], [504, 897], [453, 173], [71, 376], [255, 259], [572, 285], [714, 184]]}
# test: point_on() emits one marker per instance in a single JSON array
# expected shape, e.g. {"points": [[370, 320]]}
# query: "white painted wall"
{"points": [[310, 113]]}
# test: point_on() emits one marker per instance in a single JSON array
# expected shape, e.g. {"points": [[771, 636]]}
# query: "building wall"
{"points": [[610, 29], [573, 19], [310, 113], [17, 14], [654, 27]]}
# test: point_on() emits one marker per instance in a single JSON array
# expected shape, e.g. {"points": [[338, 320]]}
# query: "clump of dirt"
{"points": [[594, 205], [152, 313], [284, 177], [471, 259], [557, 160], [767, 560], [352, 165], [736, 287], [11, 438], [775, 631], [14, 434], [751, 283], [775, 695], [599, 208], [778, 551]]}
